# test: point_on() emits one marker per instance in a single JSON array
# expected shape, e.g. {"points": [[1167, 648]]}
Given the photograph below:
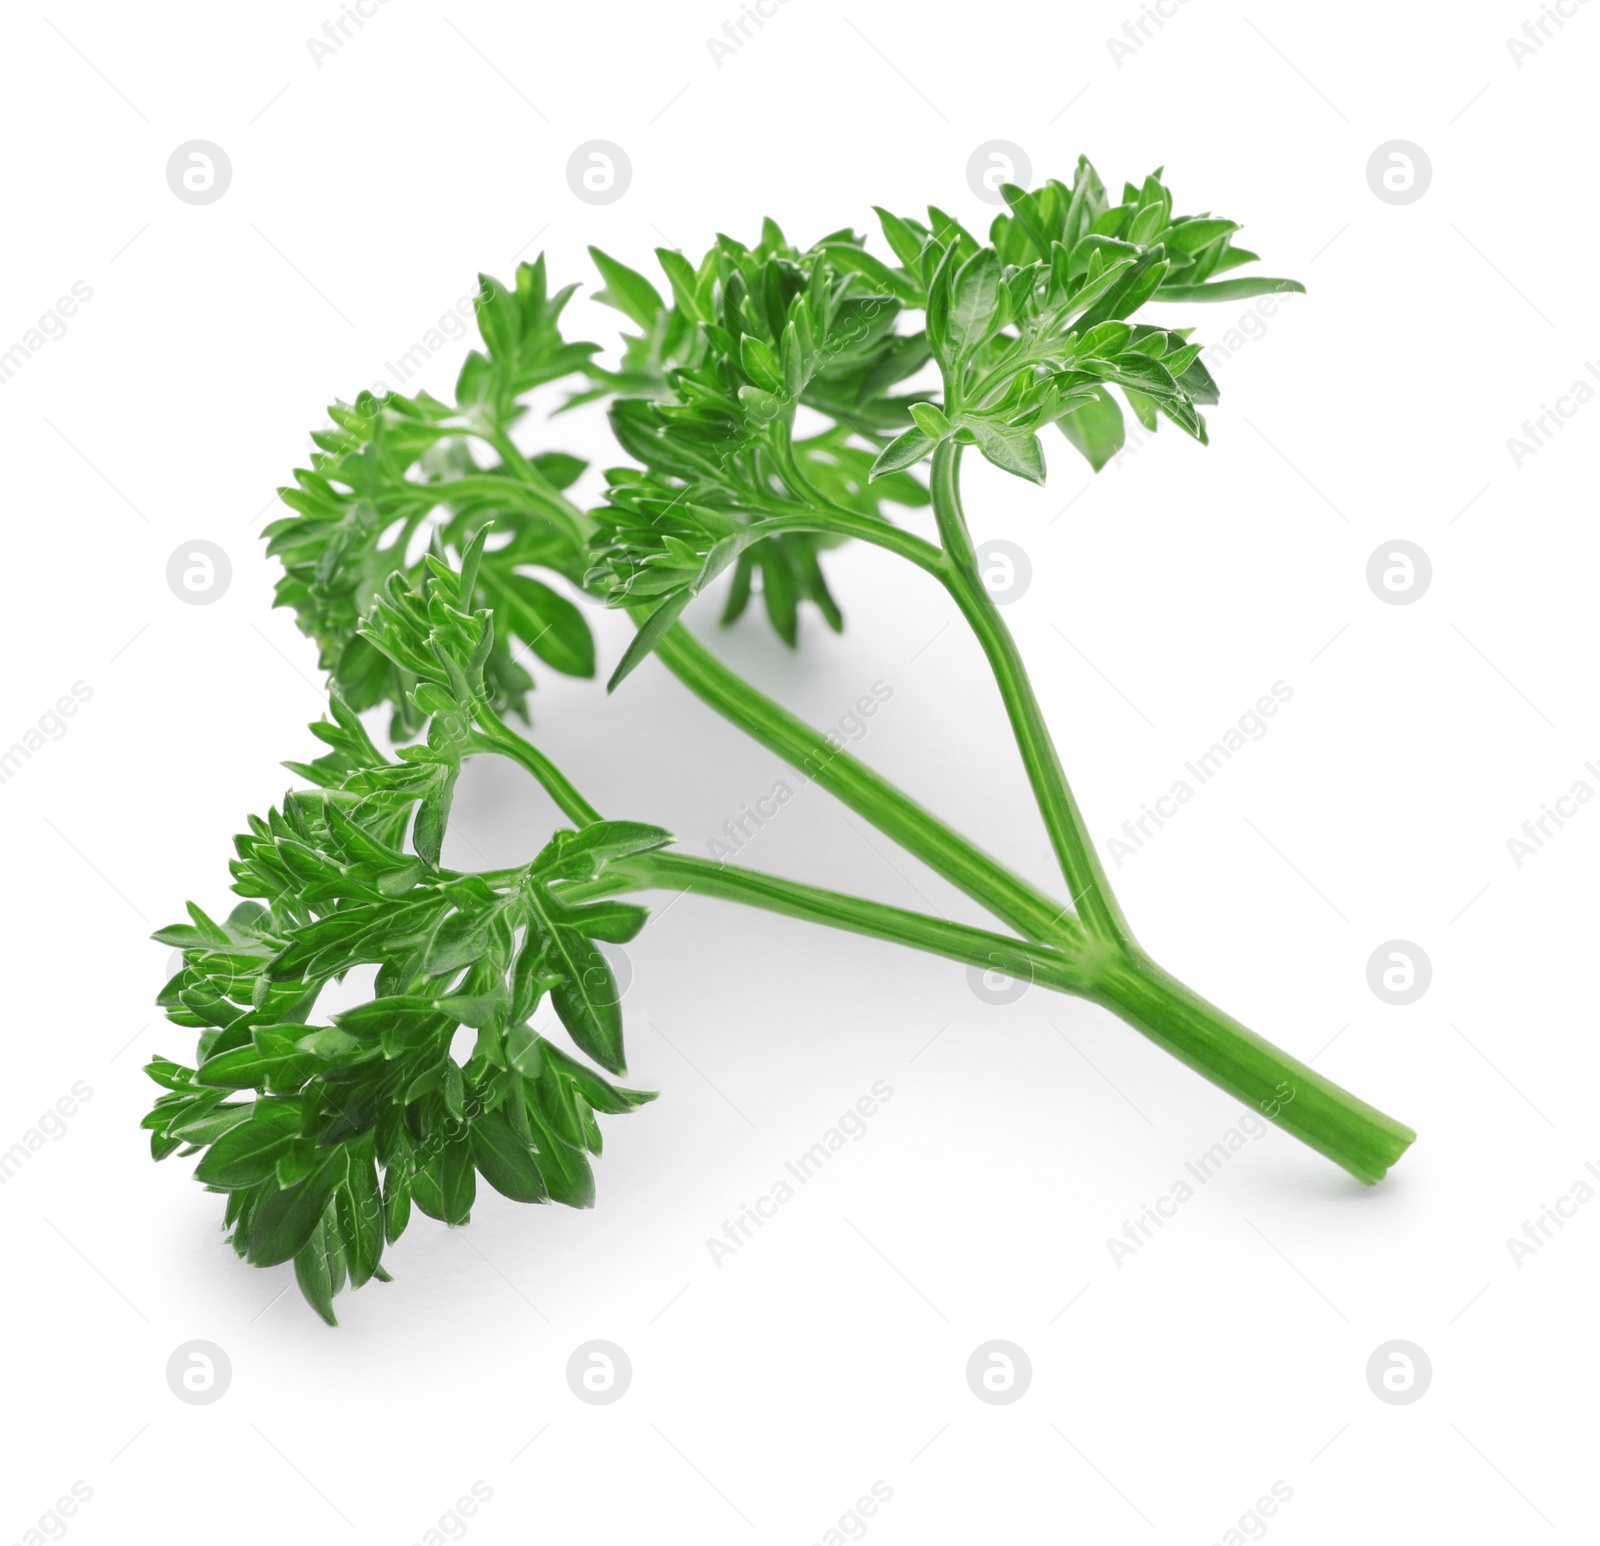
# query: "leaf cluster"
{"points": [[351, 1118], [1033, 327], [750, 336], [393, 470]]}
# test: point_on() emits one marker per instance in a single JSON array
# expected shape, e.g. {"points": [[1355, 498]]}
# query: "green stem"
{"points": [[938, 936], [822, 514], [918, 831], [494, 735], [1318, 1112], [1337, 1124], [1080, 864], [896, 814], [849, 523], [684, 872], [1108, 970], [578, 523]]}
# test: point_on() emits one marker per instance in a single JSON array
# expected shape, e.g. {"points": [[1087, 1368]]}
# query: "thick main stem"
{"points": [[1091, 892], [1318, 1112]]}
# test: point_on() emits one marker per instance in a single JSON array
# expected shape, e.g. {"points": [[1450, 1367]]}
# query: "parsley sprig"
{"points": [[411, 555]]}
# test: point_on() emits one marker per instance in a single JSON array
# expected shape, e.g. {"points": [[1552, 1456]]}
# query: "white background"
{"points": [[769, 1393]]}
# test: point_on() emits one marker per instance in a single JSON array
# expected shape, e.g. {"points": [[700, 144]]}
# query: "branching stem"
{"points": [[1069, 837]]}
